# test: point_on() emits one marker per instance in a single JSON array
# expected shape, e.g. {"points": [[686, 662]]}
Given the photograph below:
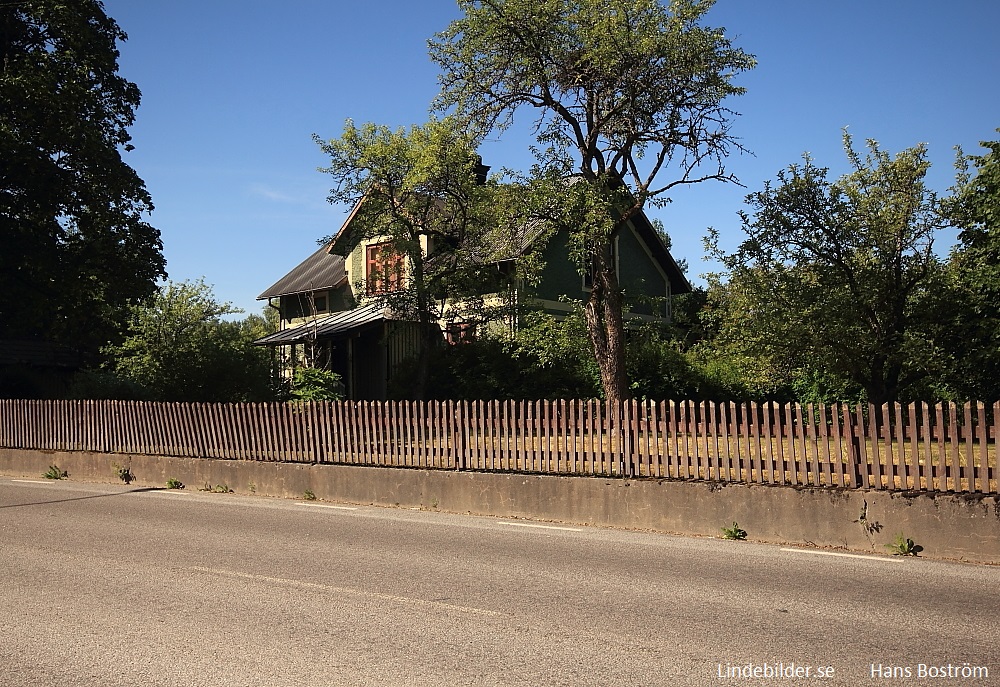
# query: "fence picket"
{"points": [[757, 472], [779, 436], [838, 453], [768, 432], [992, 485], [982, 476], [996, 440], [970, 452], [899, 444], [885, 422], [924, 479]]}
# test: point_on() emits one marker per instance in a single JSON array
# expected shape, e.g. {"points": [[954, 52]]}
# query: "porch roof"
{"points": [[325, 327]]}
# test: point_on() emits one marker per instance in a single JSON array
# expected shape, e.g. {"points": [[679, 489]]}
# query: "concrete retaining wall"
{"points": [[955, 526]]}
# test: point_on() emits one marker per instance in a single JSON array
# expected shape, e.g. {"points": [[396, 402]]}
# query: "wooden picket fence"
{"points": [[917, 446]]}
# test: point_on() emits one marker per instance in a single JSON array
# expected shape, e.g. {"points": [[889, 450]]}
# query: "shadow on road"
{"points": [[82, 498]]}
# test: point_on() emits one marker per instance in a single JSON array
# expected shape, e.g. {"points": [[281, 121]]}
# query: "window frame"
{"points": [[382, 276]]}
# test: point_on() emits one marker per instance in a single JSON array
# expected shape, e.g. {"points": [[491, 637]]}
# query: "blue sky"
{"points": [[234, 89]]}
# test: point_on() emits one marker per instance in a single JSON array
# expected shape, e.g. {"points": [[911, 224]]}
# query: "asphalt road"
{"points": [[106, 585]]}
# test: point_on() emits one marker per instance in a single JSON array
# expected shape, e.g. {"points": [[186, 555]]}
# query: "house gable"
{"points": [[646, 271], [316, 286]]}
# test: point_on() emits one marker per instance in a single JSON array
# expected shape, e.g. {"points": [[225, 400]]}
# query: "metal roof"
{"points": [[324, 270], [321, 270], [325, 327]]}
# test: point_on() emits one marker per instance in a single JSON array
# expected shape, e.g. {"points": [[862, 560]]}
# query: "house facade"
{"points": [[324, 322], [333, 314]]}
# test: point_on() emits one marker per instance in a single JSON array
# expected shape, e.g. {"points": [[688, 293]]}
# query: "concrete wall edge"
{"points": [[959, 526]]}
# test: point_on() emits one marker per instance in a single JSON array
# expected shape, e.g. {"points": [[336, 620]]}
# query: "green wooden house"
{"points": [[328, 320]]}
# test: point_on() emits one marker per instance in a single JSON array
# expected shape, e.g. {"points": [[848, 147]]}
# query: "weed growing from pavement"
{"points": [[124, 472], [904, 546], [735, 532], [55, 473], [308, 495], [174, 484]]}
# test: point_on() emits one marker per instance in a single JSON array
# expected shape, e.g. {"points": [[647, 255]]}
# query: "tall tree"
{"points": [[423, 193], [975, 209], [76, 251], [841, 276], [625, 90]]}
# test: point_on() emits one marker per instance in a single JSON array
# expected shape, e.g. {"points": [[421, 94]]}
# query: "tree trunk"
{"points": [[880, 386], [606, 327], [425, 320]]}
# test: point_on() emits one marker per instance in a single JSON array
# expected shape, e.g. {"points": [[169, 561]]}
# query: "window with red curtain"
{"points": [[460, 333], [383, 269]]}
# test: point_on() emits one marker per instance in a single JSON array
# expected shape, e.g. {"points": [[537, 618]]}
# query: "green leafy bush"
{"points": [[904, 546], [314, 384]]}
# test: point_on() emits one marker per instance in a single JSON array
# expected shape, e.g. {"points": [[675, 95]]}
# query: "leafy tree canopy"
{"points": [[623, 90], [179, 348], [76, 251], [975, 209], [841, 277]]}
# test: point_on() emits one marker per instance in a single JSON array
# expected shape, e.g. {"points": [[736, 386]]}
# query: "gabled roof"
{"points": [[323, 327], [678, 282], [325, 269], [321, 270], [496, 245], [499, 246], [644, 228]]}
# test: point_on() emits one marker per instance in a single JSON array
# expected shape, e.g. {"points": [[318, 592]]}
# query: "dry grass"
{"points": [[824, 463]]}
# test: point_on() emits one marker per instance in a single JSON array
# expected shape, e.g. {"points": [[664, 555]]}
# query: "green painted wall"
{"points": [[560, 276], [638, 273]]}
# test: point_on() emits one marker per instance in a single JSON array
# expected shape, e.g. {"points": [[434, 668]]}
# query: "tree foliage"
{"points": [[840, 277], [178, 347], [76, 251], [548, 358], [624, 90], [316, 384], [975, 209], [422, 191]]}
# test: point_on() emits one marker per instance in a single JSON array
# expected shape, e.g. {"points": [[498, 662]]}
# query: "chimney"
{"points": [[481, 170]]}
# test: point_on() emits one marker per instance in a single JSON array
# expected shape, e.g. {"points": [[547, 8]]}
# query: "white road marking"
{"points": [[323, 505], [541, 527], [845, 555], [346, 591], [32, 481]]}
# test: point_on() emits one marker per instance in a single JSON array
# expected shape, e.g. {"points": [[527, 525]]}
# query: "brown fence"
{"points": [[917, 446]]}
